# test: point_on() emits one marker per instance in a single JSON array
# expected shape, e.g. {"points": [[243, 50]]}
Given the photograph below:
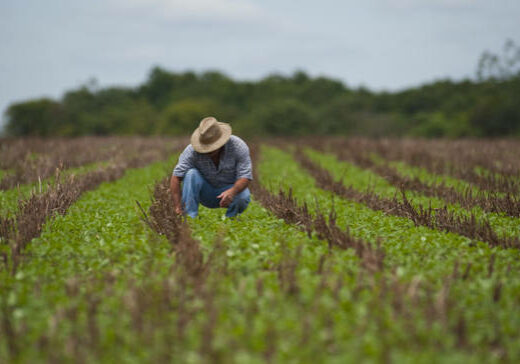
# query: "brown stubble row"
{"points": [[31, 159], [77, 151], [488, 201], [457, 158], [32, 213], [192, 278], [174, 227], [440, 219]]}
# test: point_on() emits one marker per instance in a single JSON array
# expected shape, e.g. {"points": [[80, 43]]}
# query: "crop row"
{"points": [[419, 180], [9, 199], [18, 229], [415, 179], [32, 159], [304, 187], [489, 165], [367, 187]]}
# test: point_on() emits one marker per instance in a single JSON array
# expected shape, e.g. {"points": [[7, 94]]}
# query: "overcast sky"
{"points": [[49, 46]]}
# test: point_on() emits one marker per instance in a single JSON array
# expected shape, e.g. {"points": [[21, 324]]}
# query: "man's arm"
{"points": [[228, 195], [175, 188], [244, 174], [183, 165]]}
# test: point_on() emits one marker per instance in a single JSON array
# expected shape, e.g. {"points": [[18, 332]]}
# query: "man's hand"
{"points": [[175, 188], [227, 197]]}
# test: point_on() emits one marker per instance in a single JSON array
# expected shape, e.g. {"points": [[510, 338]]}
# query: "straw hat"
{"points": [[210, 135]]}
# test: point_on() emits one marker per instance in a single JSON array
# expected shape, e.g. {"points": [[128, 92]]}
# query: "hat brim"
{"points": [[208, 148]]}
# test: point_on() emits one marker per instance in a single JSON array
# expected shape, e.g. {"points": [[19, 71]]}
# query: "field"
{"points": [[352, 250]]}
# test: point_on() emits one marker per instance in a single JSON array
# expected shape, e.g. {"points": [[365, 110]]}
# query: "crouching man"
{"points": [[215, 170]]}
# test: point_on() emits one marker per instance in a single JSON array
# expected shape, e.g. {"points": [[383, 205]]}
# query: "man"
{"points": [[215, 170]]}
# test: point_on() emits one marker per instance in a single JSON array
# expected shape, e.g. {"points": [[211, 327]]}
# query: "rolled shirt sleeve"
{"points": [[186, 162], [244, 165]]}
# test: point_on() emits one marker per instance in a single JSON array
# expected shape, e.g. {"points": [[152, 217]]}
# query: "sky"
{"points": [[49, 47]]}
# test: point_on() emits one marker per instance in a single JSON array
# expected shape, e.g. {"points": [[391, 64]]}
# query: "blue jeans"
{"points": [[197, 190]]}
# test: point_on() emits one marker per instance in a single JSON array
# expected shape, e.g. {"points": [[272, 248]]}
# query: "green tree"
{"points": [[338, 116], [286, 117], [436, 125], [42, 117], [182, 117], [131, 116], [496, 115]]}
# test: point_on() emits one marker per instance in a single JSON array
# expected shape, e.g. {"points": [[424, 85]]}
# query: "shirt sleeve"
{"points": [[186, 162], [244, 165]]}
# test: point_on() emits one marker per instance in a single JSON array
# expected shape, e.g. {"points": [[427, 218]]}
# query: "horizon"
{"points": [[99, 85]]}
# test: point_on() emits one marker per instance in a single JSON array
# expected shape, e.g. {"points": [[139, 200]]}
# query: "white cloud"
{"points": [[220, 10]]}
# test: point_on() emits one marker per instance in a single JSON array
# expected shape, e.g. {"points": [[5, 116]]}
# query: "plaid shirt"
{"points": [[235, 163]]}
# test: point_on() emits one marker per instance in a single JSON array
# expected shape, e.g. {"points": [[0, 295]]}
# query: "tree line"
{"points": [[170, 103]]}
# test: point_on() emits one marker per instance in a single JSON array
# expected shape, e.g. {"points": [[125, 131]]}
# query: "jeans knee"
{"points": [[192, 173], [192, 181], [243, 198]]}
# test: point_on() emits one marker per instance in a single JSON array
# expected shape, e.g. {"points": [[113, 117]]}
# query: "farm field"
{"points": [[351, 250]]}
